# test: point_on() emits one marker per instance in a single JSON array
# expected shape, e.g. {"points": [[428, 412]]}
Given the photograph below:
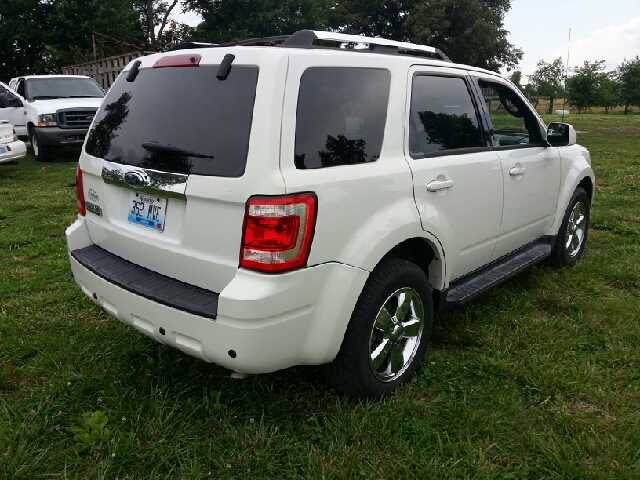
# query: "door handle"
{"points": [[436, 185], [517, 171]]}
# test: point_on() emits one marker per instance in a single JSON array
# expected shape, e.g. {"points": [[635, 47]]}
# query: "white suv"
{"points": [[267, 206]]}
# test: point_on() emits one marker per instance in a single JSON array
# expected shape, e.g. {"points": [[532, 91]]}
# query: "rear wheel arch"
{"points": [[426, 255]]}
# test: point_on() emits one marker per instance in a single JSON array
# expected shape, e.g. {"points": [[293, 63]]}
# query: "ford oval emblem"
{"points": [[136, 179]]}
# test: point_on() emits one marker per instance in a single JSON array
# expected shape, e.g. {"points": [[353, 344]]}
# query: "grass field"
{"points": [[539, 379]]}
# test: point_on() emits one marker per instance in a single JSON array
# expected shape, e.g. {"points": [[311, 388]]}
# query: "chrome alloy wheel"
{"points": [[396, 334], [576, 228]]}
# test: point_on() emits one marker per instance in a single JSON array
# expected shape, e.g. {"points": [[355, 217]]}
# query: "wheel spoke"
{"points": [[569, 241], [397, 358], [412, 327], [405, 300], [383, 321], [575, 244], [381, 353]]}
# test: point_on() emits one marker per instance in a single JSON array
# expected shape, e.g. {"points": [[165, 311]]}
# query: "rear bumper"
{"points": [[59, 137], [15, 150], [263, 323]]}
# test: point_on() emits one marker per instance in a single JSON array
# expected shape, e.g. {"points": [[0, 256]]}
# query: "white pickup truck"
{"points": [[50, 110]]}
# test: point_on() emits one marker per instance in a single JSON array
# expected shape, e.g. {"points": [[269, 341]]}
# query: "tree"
{"points": [[468, 31], [73, 23], [22, 46], [583, 88], [152, 14], [516, 78], [609, 92], [231, 20], [548, 80], [629, 75]]}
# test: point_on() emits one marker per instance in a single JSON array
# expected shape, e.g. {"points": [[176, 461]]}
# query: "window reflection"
{"points": [[341, 116], [443, 116]]}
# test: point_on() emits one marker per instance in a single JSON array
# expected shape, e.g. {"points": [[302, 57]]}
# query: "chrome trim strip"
{"points": [[171, 185]]}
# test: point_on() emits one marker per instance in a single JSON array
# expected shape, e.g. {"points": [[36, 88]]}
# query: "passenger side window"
{"points": [[442, 117], [341, 116], [513, 122]]}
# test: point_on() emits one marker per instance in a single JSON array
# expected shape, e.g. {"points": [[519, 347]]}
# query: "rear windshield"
{"points": [[178, 119]]}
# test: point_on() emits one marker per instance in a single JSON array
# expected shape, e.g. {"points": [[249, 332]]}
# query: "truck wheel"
{"points": [[388, 333], [572, 235], [41, 152]]}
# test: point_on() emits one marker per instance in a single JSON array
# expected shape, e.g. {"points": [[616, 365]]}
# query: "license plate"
{"points": [[147, 210], [3, 150]]}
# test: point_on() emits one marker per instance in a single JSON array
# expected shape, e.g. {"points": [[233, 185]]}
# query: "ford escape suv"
{"points": [[262, 204]]}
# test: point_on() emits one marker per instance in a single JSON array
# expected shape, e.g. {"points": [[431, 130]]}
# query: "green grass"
{"points": [[539, 379]]}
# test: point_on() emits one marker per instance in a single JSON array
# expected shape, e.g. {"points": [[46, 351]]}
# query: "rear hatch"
{"points": [[175, 151]]}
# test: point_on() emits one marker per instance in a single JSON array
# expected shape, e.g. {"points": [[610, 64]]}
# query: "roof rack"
{"points": [[305, 38]]}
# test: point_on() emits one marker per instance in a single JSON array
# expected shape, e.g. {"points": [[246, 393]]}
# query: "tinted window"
{"points": [[341, 116], [513, 123], [187, 120], [443, 116], [47, 88]]}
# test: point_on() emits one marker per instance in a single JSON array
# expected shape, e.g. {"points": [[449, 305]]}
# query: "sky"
{"points": [[600, 30]]}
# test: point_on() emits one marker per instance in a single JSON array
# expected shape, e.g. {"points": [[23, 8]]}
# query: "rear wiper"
{"points": [[159, 147]]}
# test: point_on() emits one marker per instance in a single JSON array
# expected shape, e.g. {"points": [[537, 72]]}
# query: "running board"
{"points": [[469, 286]]}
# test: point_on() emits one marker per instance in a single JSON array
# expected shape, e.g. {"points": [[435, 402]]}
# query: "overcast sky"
{"points": [[600, 30]]}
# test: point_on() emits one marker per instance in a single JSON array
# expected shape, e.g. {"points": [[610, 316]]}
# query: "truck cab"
{"points": [[51, 110]]}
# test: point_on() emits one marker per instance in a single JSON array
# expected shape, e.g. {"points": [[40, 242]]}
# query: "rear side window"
{"points": [[341, 116], [176, 119], [443, 116]]}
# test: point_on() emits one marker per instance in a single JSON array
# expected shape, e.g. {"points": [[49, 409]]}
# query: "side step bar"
{"points": [[465, 288]]}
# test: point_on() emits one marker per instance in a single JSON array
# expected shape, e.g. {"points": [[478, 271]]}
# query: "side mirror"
{"points": [[561, 134], [3, 100]]}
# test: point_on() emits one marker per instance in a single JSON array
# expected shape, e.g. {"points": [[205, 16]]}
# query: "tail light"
{"points": [[15, 135], [277, 232], [82, 208]]}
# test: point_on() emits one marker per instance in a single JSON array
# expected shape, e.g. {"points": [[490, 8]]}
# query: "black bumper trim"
{"points": [[148, 284], [60, 137]]}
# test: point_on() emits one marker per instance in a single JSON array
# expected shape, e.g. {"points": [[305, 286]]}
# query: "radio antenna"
{"points": [[566, 74]]}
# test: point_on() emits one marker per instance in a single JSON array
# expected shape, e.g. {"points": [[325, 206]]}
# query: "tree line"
{"points": [[588, 86], [41, 36]]}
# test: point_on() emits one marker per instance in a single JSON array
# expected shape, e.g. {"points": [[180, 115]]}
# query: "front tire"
{"points": [[41, 152], [572, 236], [388, 333]]}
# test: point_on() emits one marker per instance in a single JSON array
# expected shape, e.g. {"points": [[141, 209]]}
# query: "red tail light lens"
{"points": [[277, 232], [82, 208], [15, 135]]}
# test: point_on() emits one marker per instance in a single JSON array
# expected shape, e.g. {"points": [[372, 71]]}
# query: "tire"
{"points": [[572, 235], [400, 340], [41, 152]]}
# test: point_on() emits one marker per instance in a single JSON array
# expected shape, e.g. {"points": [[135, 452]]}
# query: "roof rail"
{"points": [[305, 38]]}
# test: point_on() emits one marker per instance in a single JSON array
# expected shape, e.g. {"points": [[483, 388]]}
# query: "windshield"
{"points": [[48, 88], [181, 120]]}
